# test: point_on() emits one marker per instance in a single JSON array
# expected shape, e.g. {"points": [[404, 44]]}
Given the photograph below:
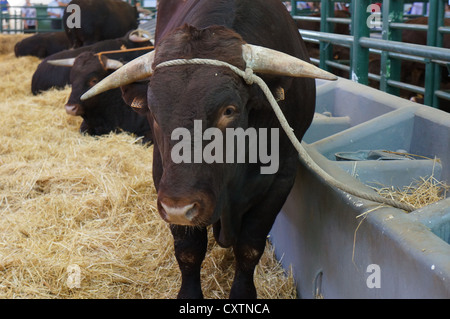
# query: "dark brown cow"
{"points": [[42, 45], [48, 76], [236, 198], [100, 20], [106, 112]]}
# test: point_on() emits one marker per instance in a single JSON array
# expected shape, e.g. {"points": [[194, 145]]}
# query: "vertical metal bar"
{"points": [[391, 68], [439, 43], [1, 18], [293, 7], [359, 55], [385, 65], [424, 8], [17, 22], [431, 41], [326, 48]]}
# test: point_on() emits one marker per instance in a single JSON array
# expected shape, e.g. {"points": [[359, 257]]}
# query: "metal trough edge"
{"points": [[340, 246], [319, 233]]}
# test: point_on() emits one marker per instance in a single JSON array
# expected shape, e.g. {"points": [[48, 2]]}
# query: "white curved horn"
{"points": [[62, 62], [112, 64], [264, 60], [136, 70]]}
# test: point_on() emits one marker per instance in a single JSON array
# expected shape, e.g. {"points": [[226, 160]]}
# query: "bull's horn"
{"points": [[269, 61], [136, 70], [258, 58], [62, 62], [139, 35], [112, 64]]}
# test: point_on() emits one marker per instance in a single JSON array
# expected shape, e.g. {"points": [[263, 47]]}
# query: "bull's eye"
{"points": [[229, 111], [93, 81], [227, 115]]}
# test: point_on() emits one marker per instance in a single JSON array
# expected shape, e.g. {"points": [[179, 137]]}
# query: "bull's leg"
{"points": [[190, 249], [255, 227], [247, 256]]}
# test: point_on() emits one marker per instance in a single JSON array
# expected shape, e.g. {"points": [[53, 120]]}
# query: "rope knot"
{"points": [[248, 76]]}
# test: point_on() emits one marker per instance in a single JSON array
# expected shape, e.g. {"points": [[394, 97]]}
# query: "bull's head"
{"points": [[87, 70], [181, 96]]}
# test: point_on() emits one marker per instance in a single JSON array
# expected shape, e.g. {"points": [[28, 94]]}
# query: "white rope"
{"points": [[251, 78]]}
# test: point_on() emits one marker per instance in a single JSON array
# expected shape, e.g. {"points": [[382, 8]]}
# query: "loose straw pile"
{"points": [[68, 200]]}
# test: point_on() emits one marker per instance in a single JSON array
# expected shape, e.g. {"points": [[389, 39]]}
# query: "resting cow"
{"points": [[191, 100], [47, 76], [100, 20], [106, 112], [42, 45]]}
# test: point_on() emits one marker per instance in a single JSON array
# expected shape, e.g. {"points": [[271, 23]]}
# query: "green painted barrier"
{"points": [[386, 42]]}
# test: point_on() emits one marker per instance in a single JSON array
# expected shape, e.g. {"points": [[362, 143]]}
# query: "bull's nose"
{"points": [[74, 109], [180, 215]]}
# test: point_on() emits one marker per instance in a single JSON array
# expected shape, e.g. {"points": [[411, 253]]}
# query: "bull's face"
{"points": [[193, 99], [191, 190], [86, 72], [187, 101]]}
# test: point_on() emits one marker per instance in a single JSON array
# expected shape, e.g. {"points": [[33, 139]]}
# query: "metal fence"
{"points": [[12, 20], [384, 40]]}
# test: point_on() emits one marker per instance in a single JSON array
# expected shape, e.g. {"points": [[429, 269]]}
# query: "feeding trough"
{"points": [[342, 246]]}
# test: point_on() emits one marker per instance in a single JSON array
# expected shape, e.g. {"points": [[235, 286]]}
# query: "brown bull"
{"points": [[204, 100]]}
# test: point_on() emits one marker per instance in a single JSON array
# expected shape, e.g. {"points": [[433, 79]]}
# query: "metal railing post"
{"points": [[438, 42], [293, 7], [390, 68], [431, 41], [326, 48], [359, 55]]}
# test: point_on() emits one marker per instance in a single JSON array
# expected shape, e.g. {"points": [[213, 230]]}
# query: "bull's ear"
{"points": [[264, 60], [140, 106], [62, 62], [136, 70]]}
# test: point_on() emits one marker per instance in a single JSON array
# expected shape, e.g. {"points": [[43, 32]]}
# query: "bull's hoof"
{"points": [[190, 293], [242, 290]]}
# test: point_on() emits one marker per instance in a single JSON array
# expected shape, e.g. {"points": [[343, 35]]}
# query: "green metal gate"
{"points": [[14, 18], [365, 40]]}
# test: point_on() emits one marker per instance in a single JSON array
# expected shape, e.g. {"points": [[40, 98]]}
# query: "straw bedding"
{"points": [[68, 200]]}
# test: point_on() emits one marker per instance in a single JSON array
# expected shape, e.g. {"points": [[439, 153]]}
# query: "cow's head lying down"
{"points": [[106, 112]]}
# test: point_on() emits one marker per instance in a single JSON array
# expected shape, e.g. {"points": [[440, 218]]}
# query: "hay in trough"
{"points": [[81, 207], [418, 194]]}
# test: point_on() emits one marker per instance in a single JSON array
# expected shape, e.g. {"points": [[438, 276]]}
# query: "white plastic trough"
{"points": [[390, 254]]}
